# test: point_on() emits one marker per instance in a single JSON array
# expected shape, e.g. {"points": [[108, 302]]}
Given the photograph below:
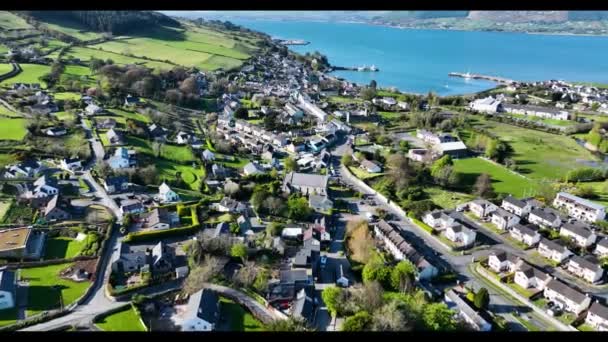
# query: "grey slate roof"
{"points": [[303, 305], [532, 272], [204, 305], [555, 246], [581, 201], [306, 179], [592, 265], [503, 214], [599, 310], [514, 201], [292, 276], [566, 291], [545, 214], [525, 230], [578, 229]]}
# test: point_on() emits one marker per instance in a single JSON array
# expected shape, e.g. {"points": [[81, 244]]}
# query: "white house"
{"points": [[470, 315], [504, 262], [208, 155], [182, 138], [504, 219], [56, 131], [543, 112], [460, 234], [166, 195], [71, 164], [370, 166], [487, 105], [565, 297], [581, 235], [516, 206], [530, 277], [252, 169], [544, 217], [93, 109], [482, 208], [579, 208], [601, 248], [553, 250], [588, 270], [202, 312], [438, 219], [8, 289], [306, 183], [597, 317], [525, 234]]}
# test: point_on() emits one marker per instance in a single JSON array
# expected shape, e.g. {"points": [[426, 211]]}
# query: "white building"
{"points": [[601, 248], [544, 217], [487, 105], [466, 312], [460, 234], [166, 195], [537, 111], [588, 270], [553, 250], [504, 262], [524, 234], [71, 164], [516, 206], [580, 208], [202, 311], [504, 219], [93, 109], [597, 317], [482, 208], [566, 298], [370, 166], [579, 233], [530, 277], [306, 183]]}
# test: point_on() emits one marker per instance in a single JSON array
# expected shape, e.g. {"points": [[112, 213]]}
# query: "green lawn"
{"points": [[238, 318], [540, 155], [390, 115], [447, 199], [67, 95], [10, 21], [170, 152], [4, 68], [64, 116], [237, 164], [31, 74], [343, 99], [12, 129], [127, 320], [3, 49], [362, 174], [8, 316], [5, 205], [503, 180], [6, 112], [190, 175], [130, 115], [552, 122], [582, 327], [226, 217], [63, 247], [6, 159], [46, 289]]}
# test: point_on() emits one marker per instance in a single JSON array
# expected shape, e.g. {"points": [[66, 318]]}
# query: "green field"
{"points": [[195, 46], [130, 115], [85, 54], [63, 247], [541, 155], [46, 290], [67, 95], [6, 112], [8, 316], [9, 21], [552, 122], [238, 319], [390, 115], [447, 199], [190, 175], [344, 99], [70, 27], [6, 159], [12, 129], [170, 152], [502, 179], [4, 68], [64, 116], [31, 74], [237, 164], [3, 49], [126, 320]]}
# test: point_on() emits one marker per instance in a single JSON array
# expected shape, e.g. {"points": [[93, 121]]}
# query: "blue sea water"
{"points": [[419, 61]]}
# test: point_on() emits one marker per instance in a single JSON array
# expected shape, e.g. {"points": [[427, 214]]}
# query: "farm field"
{"points": [[70, 27], [67, 95], [130, 115], [447, 199], [126, 320], [85, 54], [552, 122], [5, 205], [541, 155], [190, 175], [502, 179], [11, 21], [63, 116], [237, 318], [31, 74], [5, 67], [48, 291], [12, 129], [63, 247]]}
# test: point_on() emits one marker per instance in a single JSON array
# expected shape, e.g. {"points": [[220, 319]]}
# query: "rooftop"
{"points": [[582, 201], [13, 238]]}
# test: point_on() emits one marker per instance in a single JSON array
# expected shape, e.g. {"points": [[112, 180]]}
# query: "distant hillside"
{"points": [[500, 16], [115, 22]]}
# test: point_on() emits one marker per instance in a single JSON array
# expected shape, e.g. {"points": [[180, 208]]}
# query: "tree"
{"points": [[231, 188], [347, 160], [376, 270], [483, 186], [241, 113], [438, 317], [403, 276], [369, 296], [261, 280], [235, 228], [358, 322], [201, 274], [482, 299], [291, 324], [274, 205], [274, 228], [246, 275], [373, 84], [290, 164], [404, 146], [331, 295], [390, 317], [239, 250], [298, 208], [260, 194], [368, 94]]}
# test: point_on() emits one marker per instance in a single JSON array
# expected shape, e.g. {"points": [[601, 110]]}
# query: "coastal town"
{"points": [[259, 192]]}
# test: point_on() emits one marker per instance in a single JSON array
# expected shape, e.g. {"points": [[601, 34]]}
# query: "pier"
{"points": [[292, 42], [483, 77], [363, 69]]}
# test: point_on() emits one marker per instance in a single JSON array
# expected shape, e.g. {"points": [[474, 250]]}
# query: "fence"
{"points": [[16, 70]]}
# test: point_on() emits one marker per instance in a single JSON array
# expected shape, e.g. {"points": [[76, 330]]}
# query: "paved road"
{"points": [[436, 252]]}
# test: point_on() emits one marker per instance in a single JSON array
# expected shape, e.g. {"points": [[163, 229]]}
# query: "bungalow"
{"points": [[121, 159], [8, 289], [228, 205], [530, 277], [56, 131], [202, 312], [305, 183], [56, 210], [116, 184], [579, 233], [601, 248], [370, 166], [460, 234], [166, 195], [504, 262], [525, 234], [553, 250], [487, 105], [482, 208], [157, 132], [131, 207], [587, 269], [71, 164], [455, 149], [566, 297], [320, 203], [516, 206], [580, 208], [252, 169], [160, 218], [504, 219], [93, 109], [545, 217], [597, 317]]}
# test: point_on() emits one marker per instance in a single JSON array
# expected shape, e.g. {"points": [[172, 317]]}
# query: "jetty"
{"points": [[483, 77], [373, 68], [292, 41]]}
